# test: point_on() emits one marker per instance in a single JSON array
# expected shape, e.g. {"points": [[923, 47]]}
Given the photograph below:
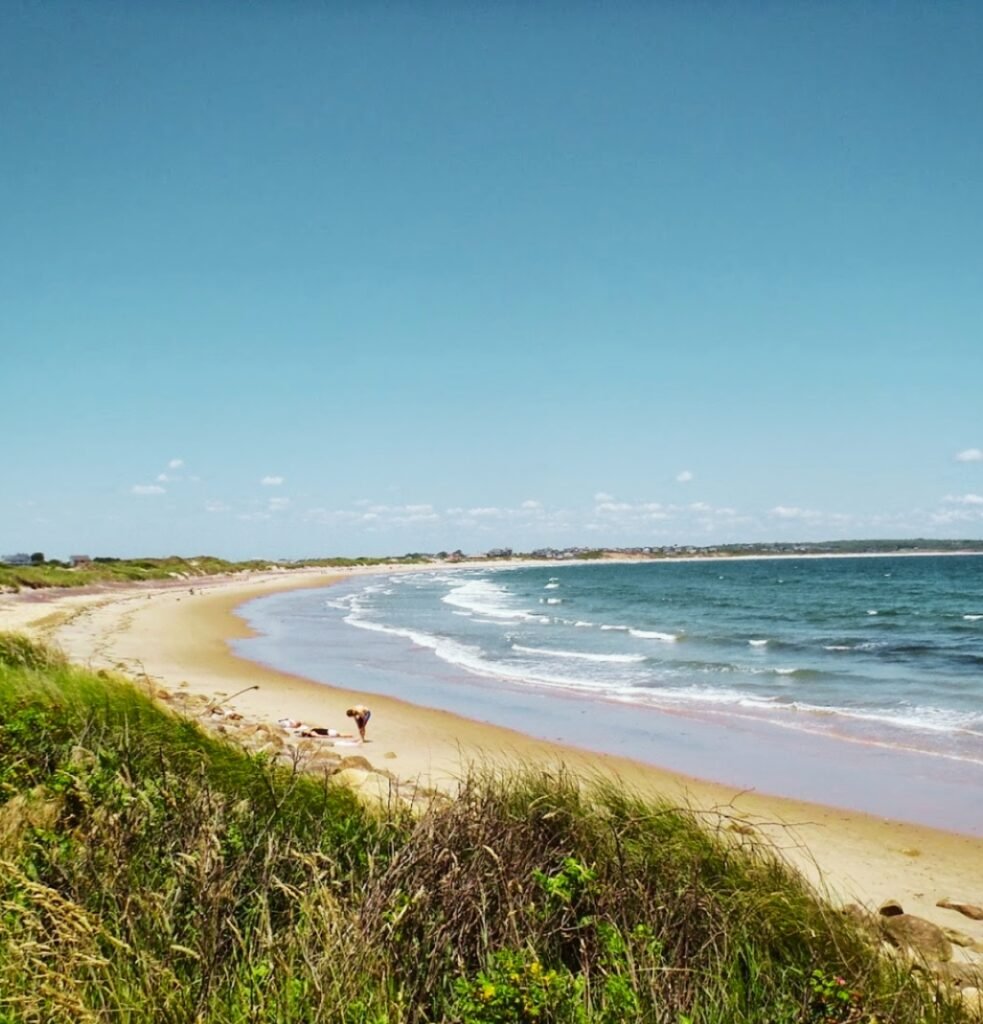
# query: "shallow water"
{"points": [[855, 682]]}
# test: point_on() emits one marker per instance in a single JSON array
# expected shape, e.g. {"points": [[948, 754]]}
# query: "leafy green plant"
{"points": [[833, 999], [569, 884], [517, 989]]}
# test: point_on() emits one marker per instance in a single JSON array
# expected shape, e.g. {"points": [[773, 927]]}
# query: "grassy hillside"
{"points": [[149, 873]]}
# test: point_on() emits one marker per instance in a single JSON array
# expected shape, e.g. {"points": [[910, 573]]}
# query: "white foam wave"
{"points": [[621, 629], [582, 624], [758, 643], [871, 611], [551, 586], [973, 618], [487, 598], [798, 715], [554, 600], [444, 648], [651, 634], [472, 659], [837, 647], [623, 659]]}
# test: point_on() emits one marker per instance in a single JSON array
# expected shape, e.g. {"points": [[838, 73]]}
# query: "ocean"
{"points": [[807, 677]]}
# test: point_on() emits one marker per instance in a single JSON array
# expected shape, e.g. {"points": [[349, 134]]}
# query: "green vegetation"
{"points": [[149, 873], [42, 574], [116, 570]]}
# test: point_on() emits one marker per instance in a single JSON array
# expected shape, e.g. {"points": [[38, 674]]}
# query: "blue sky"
{"points": [[292, 279]]}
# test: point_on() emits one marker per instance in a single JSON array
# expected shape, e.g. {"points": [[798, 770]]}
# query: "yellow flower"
{"points": [[487, 991]]}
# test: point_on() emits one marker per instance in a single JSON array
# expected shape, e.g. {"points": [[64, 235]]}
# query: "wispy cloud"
{"points": [[216, 506], [278, 504], [272, 481], [794, 512], [970, 455], [963, 499], [175, 463], [684, 477], [147, 489]]}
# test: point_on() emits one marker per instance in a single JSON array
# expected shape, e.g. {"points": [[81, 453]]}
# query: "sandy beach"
{"points": [[178, 635]]}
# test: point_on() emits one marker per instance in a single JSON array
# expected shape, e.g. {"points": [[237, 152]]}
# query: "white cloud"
{"points": [[216, 506], [162, 478], [963, 499], [684, 477], [147, 489], [603, 496], [970, 455], [532, 505], [953, 515], [278, 504], [791, 512], [175, 464], [272, 481]]}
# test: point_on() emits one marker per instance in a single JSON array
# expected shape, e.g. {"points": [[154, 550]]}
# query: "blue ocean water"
{"points": [[885, 651]]}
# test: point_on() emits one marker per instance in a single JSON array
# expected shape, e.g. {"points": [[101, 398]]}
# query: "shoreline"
{"points": [[181, 641], [800, 761]]}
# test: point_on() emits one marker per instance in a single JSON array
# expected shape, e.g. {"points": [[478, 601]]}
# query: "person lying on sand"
{"points": [[302, 729], [361, 714]]}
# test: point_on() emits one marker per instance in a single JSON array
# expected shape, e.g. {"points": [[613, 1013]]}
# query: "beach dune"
{"points": [[179, 640]]}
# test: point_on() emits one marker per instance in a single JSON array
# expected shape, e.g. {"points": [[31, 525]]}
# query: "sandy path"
{"points": [[179, 639]]}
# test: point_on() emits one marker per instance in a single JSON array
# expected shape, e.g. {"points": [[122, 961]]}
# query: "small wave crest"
{"points": [[486, 598], [549, 652], [651, 634]]}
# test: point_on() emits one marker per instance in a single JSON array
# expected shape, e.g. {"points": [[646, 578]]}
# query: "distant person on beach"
{"points": [[361, 714]]}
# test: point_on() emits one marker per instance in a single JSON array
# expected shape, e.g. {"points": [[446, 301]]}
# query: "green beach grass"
{"points": [[138, 570], [152, 873]]}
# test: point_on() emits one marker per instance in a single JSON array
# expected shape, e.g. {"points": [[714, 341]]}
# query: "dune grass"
{"points": [[151, 873], [139, 570]]}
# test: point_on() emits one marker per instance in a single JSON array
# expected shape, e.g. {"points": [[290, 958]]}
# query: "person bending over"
{"points": [[361, 714]]}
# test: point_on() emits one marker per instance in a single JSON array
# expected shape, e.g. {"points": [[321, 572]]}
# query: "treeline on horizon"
{"points": [[51, 572]]}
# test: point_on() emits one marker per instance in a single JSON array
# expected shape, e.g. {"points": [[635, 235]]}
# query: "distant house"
{"points": [[18, 559], [76, 561]]}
